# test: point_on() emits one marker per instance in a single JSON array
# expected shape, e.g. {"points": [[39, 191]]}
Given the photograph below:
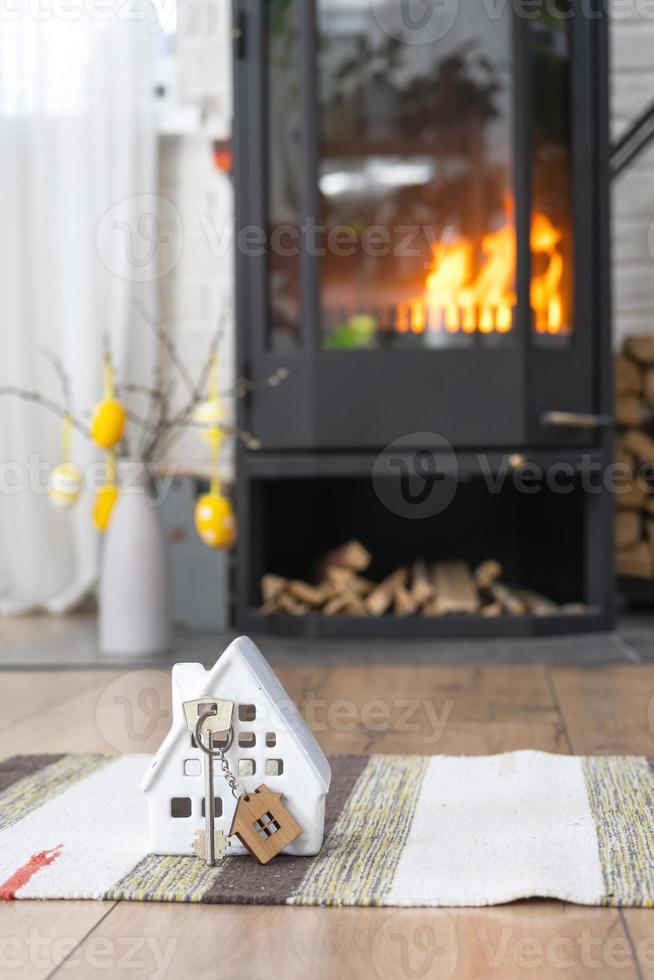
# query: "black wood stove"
{"points": [[422, 216]]}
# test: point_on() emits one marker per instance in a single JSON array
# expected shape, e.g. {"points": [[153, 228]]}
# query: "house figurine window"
{"points": [[263, 824]]}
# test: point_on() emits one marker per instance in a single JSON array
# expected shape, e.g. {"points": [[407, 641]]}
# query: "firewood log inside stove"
{"points": [[311, 595], [443, 588], [487, 574], [510, 600], [404, 603], [272, 586], [351, 555], [378, 601], [454, 589], [422, 589]]}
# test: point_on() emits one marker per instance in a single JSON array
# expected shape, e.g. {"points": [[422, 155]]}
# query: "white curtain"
{"points": [[77, 175]]}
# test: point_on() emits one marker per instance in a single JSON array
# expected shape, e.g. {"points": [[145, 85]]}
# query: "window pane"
{"points": [[284, 173], [415, 176], [551, 221]]}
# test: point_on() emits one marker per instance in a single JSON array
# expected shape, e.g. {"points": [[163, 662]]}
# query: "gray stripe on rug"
{"points": [[244, 881], [19, 766]]}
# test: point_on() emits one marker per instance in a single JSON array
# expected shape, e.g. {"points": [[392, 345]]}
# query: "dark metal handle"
{"points": [[575, 420], [637, 138]]}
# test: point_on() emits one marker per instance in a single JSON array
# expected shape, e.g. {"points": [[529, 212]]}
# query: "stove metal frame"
{"points": [[324, 412]]}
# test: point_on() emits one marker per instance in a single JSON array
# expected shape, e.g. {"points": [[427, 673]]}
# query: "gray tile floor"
{"points": [[73, 645]]}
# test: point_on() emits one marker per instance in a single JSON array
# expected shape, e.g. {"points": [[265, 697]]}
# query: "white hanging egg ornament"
{"points": [[207, 417], [65, 485], [215, 521]]}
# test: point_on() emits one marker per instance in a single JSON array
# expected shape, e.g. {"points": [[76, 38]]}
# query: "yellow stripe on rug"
{"points": [[358, 860], [621, 795], [158, 878], [33, 791]]}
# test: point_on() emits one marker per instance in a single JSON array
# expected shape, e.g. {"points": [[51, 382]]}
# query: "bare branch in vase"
{"points": [[47, 403], [167, 344], [64, 378]]}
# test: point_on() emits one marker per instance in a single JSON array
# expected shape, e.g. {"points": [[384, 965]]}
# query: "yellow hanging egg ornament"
{"points": [[108, 423], [105, 501], [215, 521], [65, 485], [207, 417]]}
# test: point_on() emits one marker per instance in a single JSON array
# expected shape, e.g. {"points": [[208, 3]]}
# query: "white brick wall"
{"points": [[193, 293], [632, 82]]}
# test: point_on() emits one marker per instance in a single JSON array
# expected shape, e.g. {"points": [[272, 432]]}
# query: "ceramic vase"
{"points": [[134, 593]]}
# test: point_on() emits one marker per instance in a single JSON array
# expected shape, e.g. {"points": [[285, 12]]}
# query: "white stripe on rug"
{"points": [[102, 823], [498, 828]]}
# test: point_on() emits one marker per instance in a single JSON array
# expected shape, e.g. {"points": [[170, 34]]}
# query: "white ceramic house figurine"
{"points": [[272, 744]]}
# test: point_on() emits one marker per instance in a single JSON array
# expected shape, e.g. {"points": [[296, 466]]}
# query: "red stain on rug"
{"points": [[21, 877]]}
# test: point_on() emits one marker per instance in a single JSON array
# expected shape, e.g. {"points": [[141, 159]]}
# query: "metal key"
{"points": [[209, 807], [206, 717]]}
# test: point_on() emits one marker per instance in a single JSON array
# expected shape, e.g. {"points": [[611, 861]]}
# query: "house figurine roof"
{"points": [[193, 681]]}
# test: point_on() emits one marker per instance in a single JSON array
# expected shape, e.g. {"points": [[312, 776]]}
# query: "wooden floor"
{"points": [[474, 710]]}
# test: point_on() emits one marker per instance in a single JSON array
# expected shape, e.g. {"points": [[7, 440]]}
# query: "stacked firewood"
{"points": [[447, 587], [634, 412]]}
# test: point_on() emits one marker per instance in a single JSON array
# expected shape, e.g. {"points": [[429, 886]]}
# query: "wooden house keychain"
{"points": [[261, 821]]}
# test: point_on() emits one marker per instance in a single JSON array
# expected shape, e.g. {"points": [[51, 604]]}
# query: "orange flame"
{"points": [[461, 299], [546, 299]]}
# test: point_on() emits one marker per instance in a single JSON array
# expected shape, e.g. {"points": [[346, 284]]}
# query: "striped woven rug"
{"points": [[400, 831]]}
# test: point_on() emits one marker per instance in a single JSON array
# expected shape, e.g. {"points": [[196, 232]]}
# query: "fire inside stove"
{"points": [[471, 289], [468, 290]]}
